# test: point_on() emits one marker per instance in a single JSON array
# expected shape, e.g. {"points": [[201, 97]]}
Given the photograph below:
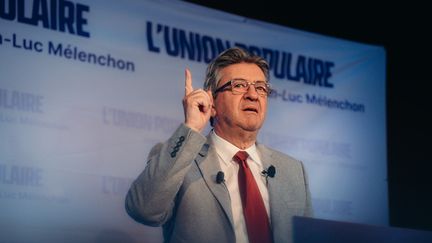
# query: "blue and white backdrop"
{"points": [[87, 87]]}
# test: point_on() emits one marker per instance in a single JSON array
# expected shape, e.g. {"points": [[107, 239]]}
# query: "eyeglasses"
{"points": [[241, 86]]}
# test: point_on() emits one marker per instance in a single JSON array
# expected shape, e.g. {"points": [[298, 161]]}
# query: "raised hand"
{"points": [[197, 105]]}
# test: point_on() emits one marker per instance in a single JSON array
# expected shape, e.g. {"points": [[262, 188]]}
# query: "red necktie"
{"points": [[255, 214]]}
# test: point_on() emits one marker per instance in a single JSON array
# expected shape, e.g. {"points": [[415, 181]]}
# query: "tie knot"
{"points": [[241, 156]]}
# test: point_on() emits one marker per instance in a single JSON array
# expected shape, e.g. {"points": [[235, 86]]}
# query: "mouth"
{"points": [[251, 109]]}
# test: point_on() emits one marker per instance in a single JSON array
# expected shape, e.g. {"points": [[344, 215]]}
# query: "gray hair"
{"points": [[229, 57]]}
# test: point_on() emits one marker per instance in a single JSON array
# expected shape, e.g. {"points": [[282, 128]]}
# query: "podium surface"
{"points": [[310, 230]]}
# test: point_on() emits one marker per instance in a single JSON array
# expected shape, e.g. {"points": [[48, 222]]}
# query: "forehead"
{"points": [[248, 71]]}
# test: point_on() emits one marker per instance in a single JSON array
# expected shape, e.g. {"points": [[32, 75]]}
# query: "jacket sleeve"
{"points": [[151, 197]]}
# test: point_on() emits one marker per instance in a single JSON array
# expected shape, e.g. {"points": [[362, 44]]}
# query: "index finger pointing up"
{"points": [[188, 82]]}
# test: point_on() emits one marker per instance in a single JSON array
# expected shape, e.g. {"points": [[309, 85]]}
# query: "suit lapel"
{"points": [[274, 187], [208, 164]]}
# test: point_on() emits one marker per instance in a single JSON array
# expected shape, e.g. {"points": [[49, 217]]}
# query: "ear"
{"points": [[212, 116], [213, 108], [213, 111]]}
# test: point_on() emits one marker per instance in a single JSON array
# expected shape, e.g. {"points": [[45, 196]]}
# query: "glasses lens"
{"points": [[261, 87], [240, 86]]}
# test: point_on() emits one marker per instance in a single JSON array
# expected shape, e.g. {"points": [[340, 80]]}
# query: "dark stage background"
{"points": [[404, 30]]}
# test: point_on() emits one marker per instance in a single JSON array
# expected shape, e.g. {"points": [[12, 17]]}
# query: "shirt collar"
{"points": [[227, 150]]}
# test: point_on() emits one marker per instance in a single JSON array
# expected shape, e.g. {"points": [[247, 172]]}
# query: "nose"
{"points": [[251, 93]]}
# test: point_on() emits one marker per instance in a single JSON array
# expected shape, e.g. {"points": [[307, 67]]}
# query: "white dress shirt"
{"points": [[226, 151]]}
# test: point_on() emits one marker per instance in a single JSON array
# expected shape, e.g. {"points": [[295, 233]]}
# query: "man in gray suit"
{"points": [[194, 186]]}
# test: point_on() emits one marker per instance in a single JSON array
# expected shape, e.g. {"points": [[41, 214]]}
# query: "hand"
{"points": [[197, 105]]}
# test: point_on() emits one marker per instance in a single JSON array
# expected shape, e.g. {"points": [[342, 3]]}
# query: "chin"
{"points": [[251, 127]]}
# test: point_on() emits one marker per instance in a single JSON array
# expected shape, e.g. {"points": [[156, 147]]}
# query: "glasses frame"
{"points": [[230, 83]]}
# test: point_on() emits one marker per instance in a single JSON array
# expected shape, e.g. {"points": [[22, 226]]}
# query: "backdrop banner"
{"points": [[88, 87]]}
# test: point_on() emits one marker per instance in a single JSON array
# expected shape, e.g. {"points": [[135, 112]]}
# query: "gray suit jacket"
{"points": [[178, 190]]}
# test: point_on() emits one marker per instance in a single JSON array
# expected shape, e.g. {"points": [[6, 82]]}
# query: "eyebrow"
{"points": [[258, 80]]}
